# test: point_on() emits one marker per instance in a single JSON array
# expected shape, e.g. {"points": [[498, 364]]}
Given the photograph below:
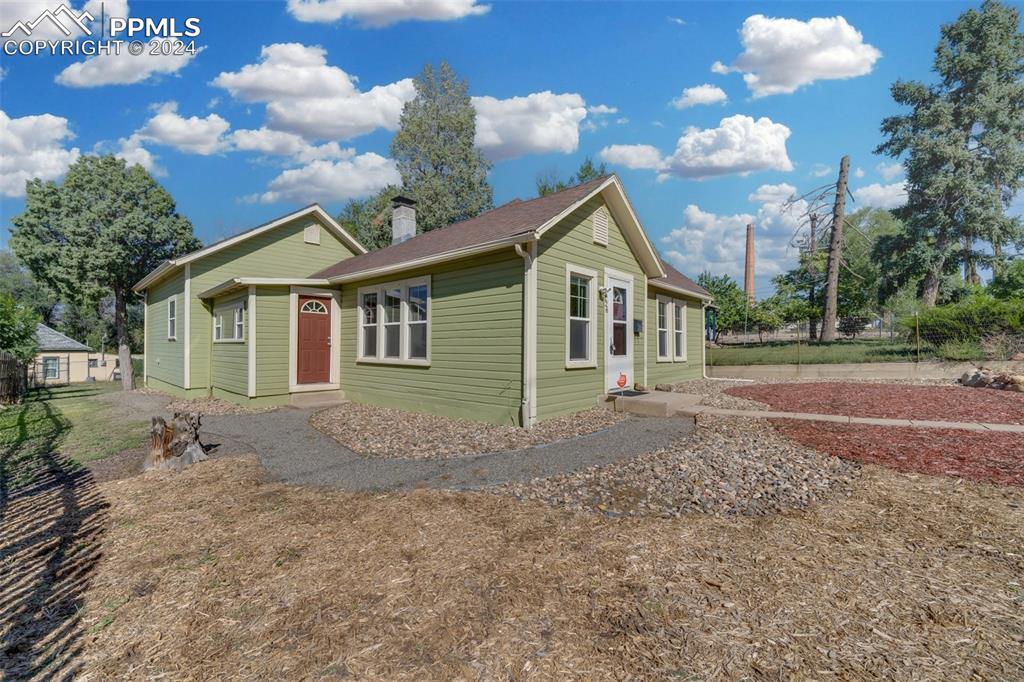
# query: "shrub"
{"points": [[972, 319], [960, 351]]}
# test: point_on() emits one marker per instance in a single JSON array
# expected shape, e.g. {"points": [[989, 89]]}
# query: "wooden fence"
{"points": [[13, 378]]}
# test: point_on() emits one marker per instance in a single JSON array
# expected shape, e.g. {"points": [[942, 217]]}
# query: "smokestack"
{"points": [[748, 272]]}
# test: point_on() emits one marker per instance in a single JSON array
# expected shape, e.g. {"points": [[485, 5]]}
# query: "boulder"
{"points": [[663, 387]]}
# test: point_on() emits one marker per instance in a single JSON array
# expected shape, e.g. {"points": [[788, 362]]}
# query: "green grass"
{"points": [[787, 353], [69, 420]]}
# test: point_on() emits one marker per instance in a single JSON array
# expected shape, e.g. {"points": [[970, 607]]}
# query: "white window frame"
{"points": [[223, 324], [591, 274], [46, 362], [172, 318], [665, 356], [404, 324], [680, 305]]}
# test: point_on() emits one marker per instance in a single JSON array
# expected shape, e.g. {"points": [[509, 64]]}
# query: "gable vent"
{"points": [[601, 226]]}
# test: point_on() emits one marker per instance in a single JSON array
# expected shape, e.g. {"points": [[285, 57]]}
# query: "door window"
{"points": [[620, 314]]}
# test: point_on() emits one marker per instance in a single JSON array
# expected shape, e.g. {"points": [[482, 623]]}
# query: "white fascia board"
{"points": [[241, 282], [679, 290]]}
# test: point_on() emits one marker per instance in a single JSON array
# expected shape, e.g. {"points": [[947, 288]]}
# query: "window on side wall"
{"points": [[172, 318], [51, 368], [679, 330], [395, 322], [580, 322], [663, 326], [229, 323]]}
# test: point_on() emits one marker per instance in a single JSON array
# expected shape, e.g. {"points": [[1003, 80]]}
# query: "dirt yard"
{"points": [[215, 573]]}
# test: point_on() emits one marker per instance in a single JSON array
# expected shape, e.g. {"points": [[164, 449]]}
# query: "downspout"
{"points": [[529, 402]]}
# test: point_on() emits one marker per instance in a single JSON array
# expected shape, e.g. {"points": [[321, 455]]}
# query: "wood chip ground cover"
{"points": [[375, 432], [215, 573], [940, 403]]}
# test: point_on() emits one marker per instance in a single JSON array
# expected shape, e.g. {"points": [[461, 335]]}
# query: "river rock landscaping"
{"points": [[728, 466], [370, 431]]}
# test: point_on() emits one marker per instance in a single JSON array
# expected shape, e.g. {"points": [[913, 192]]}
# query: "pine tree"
{"points": [[963, 148], [440, 166], [550, 182]]}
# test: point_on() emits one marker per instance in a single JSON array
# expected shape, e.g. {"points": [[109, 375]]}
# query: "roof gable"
{"points": [[677, 281], [313, 211]]}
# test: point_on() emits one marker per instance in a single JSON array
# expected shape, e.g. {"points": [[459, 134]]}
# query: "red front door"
{"points": [[314, 361]]}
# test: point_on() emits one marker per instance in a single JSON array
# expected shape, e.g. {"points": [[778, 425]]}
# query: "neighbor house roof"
{"points": [[514, 222], [52, 340], [677, 281], [315, 210]]}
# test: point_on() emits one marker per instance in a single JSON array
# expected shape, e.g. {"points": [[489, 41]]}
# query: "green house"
{"points": [[532, 310]]}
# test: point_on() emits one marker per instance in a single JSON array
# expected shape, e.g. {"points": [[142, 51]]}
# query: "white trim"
{"points": [[647, 331], [145, 338], [529, 350], [667, 356], [232, 306], [591, 361], [293, 338], [315, 210], [187, 328], [251, 335], [243, 282], [403, 323], [679, 290], [617, 203], [677, 357], [611, 273], [432, 260]]}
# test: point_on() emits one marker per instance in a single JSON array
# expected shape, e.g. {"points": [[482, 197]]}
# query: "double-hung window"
{"points": [[663, 329], [395, 322], [172, 318], [679, 330], [51, 368], [229, 322], [580, 322]]}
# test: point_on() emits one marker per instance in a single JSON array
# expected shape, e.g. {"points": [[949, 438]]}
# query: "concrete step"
{"points": [[316, 399], [655, 403]]}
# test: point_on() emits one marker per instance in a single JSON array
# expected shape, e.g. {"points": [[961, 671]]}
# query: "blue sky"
{"points": [[291, 103]]}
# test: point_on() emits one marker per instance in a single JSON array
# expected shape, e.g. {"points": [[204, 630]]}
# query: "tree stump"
{"points": [[176, 445]]}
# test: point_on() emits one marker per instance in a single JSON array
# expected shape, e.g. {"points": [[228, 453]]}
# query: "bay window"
{"points": [[395, 322]]}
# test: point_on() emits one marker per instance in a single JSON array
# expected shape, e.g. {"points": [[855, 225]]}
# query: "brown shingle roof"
{"points": [[674, 278], [505, 222]]}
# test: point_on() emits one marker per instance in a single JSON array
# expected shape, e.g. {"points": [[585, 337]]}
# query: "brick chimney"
{"points": [[403, 219], [748, 271]]}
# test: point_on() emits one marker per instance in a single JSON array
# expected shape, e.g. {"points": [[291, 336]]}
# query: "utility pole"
{"points": [[812, 272], [835, 254]]}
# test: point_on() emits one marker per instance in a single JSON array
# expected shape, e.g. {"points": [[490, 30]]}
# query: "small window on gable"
{"points": [[311, 235], [601, 226]]}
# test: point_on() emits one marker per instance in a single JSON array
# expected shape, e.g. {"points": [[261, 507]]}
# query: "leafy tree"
{"points": [[730, 302], [1010, 282], [99, 232], [17, 328], [549, 182], [16, 281], [441, 168], [369, 220], [765, 317], [963, 149]]}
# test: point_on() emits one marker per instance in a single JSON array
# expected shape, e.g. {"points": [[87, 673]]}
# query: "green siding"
{"points": [[674, 371], [272, 329], [475, 344], [231, 358], [561, 390], [166, 359], [280, 252]]}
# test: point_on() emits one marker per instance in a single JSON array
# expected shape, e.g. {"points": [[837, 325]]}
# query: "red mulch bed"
{"points": [[977, 456], [892, 401]]}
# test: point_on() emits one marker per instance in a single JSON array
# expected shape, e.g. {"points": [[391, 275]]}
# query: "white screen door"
{"points": [[618, 362]]}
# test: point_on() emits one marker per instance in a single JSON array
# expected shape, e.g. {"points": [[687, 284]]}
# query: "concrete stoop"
{"points": [[655, 403], [314, 399]]}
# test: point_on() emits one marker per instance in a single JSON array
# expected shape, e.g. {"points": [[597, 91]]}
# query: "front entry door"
{"points": [[618, 359], [314, 343]]}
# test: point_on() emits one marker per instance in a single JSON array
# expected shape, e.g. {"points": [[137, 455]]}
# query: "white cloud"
{"points": [[280, 143], [601, 110], [820, 170], [781, 55], [877, 195], [890, 171], [32, 147], [677, 21], [131, 150], [378, 13], [535, 124], [738, 146], [700, 94], [321, 180], [859, 173], [194, 135], [122, 68], [717, 242], [720, 68], [306, 96], [635, 156]]}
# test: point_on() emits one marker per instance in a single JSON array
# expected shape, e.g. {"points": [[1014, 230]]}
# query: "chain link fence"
{"points": [[928, 336]]}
